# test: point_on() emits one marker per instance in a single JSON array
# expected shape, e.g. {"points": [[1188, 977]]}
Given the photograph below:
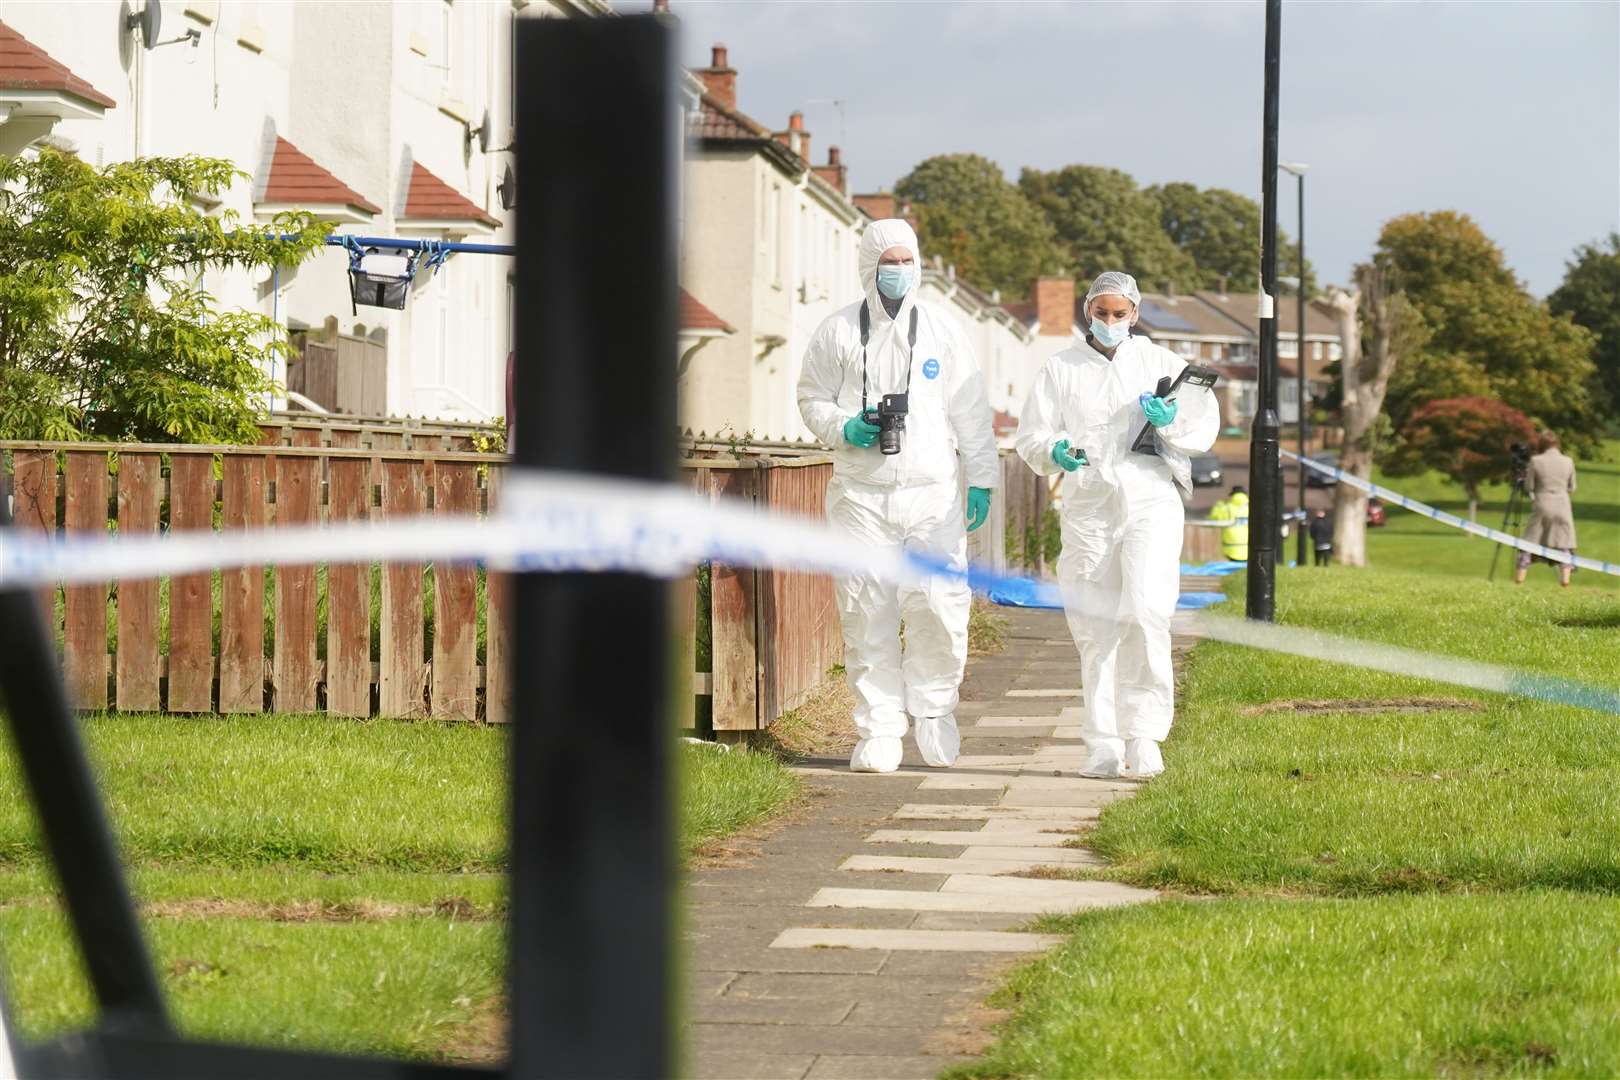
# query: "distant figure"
{"points": [[1234, 509], [1322, 537], [1549, 482]]}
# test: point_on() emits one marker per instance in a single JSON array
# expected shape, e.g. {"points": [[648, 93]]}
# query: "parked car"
{"points": [[1313, 478], [1206, 470], [1375, 513]]}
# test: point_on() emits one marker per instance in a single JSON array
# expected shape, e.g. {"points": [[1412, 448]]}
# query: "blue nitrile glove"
{"points": [[1068, 460], [978, 507], [857, 432], [1158, 411]]}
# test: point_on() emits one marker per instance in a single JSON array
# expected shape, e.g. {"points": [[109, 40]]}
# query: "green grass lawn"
{"points": [[1395, 892], [1523, 984], [1411, 542], [313, 882]]}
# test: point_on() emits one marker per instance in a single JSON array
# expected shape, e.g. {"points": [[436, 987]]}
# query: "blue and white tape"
{"points": [[568, 522], [1395, 497]]}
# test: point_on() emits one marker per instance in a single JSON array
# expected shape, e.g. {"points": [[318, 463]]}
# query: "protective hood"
{"points": [[879, 237]]}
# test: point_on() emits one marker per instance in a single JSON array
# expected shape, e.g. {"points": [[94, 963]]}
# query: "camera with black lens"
{"points": [[1520, 453], [890, 418]]}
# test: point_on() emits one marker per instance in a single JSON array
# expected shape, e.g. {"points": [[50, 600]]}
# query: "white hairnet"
{"points": [[879, 237], [1113, 283]]}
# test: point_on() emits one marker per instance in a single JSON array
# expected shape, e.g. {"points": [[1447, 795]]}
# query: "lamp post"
{"points": [[1297, 170], [1261, 601]]}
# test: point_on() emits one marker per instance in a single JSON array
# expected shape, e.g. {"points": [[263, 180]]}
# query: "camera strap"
{"points": [[911, 353]]}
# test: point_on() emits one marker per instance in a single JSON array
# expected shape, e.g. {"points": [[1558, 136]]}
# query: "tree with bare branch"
{"points": [[1377, 325]]}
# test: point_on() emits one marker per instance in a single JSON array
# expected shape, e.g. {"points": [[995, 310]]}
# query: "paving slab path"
{"points": [[861, 939]]}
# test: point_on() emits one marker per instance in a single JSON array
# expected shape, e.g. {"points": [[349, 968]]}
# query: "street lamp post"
{"points": [[1298, 171], [1264, 476]]}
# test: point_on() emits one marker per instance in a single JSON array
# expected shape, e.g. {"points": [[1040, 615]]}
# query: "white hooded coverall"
{"points": [[910, 500], [1122, 522]]}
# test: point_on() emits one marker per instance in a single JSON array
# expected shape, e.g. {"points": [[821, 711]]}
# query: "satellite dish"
{"points": [[507, 189], [483, 133], [150, 22]]}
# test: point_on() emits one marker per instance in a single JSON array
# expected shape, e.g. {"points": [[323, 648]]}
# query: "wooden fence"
{"points": [[400, 640]]}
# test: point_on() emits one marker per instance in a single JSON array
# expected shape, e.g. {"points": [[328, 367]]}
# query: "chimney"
{"points": [[1223, 284], [798, 138], [1170, 290], [835, 172], [719, 78], [1054, 305], [878, 206], [660, 7]]}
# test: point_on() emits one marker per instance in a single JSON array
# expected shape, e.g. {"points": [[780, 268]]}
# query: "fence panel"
{"points": [[733, 626], [295, 671], [348, 595], [85, 638], [402, 680], [497, 626], [136, 670], [798, 632], [33, 506], [191, 597], [455, 601], [241, 617]]}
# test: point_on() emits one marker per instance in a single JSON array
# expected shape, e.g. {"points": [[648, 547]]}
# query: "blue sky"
{"points": [[1507, 111]]}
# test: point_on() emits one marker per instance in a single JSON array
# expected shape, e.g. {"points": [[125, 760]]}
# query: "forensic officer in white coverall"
{"points": [[893, 343], [1122, 518]]}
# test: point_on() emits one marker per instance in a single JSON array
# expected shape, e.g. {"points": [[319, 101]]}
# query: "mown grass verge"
{"points": [[1408, 878], [311, 882]]}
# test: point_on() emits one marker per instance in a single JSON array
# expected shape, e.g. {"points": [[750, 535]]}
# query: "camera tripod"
{"points": [[1511, 518]]}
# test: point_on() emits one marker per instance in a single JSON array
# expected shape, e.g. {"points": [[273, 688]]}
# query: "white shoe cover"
{"points": [[879, 754], [1143, 759], [1103, 763], [938, 740]]}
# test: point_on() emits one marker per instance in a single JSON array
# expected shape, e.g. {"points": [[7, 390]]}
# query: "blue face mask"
{"points": [[1109, 334], [894, 281]]}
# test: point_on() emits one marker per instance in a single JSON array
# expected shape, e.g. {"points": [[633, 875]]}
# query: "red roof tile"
{"points": [[25, 66], [431, 199], [715, 121], [694, 316], [296, 179]]}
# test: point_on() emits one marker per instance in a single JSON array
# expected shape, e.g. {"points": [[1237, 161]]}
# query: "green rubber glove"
{"points": [[1158, 411], [857, 432], [1068, 460], [978, 507]]}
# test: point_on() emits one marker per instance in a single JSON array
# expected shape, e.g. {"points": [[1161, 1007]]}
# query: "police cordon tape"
{"points": [[555, 522], [1395, 497]]}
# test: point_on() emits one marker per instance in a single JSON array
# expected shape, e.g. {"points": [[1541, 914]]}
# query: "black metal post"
{"points": [[1304, 419], [45, 734], [1264, 474], [592, 842]]}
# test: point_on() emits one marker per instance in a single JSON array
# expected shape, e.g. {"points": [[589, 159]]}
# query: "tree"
{"points": [[105, 332], [1488, 337], [1103, 221], [1219, 231], [1469, 439], [1379, 329], [969, 213], [1590, 295]]}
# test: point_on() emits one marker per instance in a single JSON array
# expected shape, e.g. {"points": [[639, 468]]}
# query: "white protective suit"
{"points": [[912, 499], [1122, 522]]}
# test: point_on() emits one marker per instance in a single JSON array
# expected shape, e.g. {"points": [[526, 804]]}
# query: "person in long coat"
{"points": [[1549, 482]]}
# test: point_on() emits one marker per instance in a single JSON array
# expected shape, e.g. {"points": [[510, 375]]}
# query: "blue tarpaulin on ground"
{"points": [[1214, 569], [1029, 593]]}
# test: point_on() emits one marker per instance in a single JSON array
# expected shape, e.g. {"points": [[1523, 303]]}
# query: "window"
{"points": [[1214, 350], [1287, 345], [1316, 350], [447, 42], [773, 239]]}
